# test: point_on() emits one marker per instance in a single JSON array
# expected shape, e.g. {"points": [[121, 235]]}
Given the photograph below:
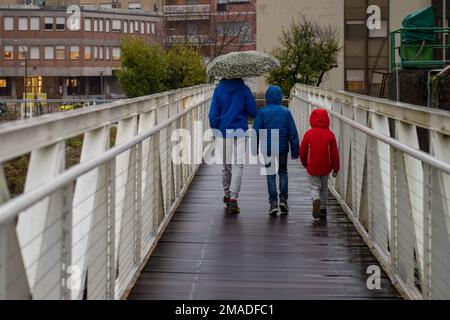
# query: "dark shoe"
{"points": [[316, 209], [273, 210], [232, 207], [323, 213], [226, 199], [284, 208]]}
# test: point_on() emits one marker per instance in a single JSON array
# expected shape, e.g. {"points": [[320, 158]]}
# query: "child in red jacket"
{"points": [[320, 156]]}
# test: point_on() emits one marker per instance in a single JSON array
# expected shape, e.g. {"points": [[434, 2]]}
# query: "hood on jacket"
{"points": [[232, 85], [274, 95], [319, 119]]}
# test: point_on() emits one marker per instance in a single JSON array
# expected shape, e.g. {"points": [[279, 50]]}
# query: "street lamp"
{"points": [[19, 46]]}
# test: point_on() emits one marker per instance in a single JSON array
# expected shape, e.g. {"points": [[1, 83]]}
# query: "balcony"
{"points": [[187, 12]]}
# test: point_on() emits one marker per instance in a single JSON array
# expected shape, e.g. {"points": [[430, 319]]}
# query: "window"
{"points": [[116, 53], [49, 53], [100, 53], [2, 83], [74, 52], [35, 53], [134, 6], [149, 30], [153, 28], [60, 23], [379, 33], [116, 25], [106, 5], [87, 53], [95, 25], [34, 23], [107, 25], [60, 52], [355, 30], [125, 27], [136, 26], [100, 25], [23, 24], [355, 80], [23, 52], [8, 52], [131, 27], [95, 52], [107, 53], [8, 23], [87, 24], [48, 23], [142, 28]]}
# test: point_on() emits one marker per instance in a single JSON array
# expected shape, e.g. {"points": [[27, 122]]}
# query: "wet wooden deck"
{"points": [[206, 254]]}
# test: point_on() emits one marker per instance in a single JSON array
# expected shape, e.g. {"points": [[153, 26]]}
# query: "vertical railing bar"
{"points": [[111, 264], [138, 205]]}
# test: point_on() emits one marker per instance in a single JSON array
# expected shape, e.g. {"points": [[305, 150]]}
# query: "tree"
{"points": [[143, 68], [307, 52], [185, 67]]}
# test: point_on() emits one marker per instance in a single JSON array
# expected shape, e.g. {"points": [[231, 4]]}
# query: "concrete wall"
{"points": [[272, 16]]}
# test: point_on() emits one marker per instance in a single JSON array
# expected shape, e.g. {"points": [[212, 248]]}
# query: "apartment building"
{"points": [[216, 26], [61, 60], [142, 5], [364, 50]]}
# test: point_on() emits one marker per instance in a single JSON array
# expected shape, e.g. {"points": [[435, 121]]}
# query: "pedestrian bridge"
{"points": [[125, 221]]}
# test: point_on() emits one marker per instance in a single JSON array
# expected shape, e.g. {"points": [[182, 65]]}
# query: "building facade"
{"points": [[61, 58], [365, 54], [215, 26]]}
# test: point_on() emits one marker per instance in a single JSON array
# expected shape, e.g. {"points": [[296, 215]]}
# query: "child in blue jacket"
{"points": [[276, 117]]}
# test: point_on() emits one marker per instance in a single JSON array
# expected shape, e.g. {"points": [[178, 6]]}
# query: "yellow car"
{"points": [[67, 107]]}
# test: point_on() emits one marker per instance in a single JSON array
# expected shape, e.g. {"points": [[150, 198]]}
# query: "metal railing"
{"points": [[86, 232], [397, 196], [187, 9], [427, 54]]}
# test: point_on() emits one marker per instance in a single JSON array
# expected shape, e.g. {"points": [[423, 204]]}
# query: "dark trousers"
{"points": [[283, 176]]}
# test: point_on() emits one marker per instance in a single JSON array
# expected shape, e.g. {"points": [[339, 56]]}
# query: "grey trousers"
{"points": [[233, 165], [319, 190]]}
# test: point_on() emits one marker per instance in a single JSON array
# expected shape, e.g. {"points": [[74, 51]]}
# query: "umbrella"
{"points": [[243, 64]]}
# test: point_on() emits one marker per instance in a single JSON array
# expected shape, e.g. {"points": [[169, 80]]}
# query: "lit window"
{"points": [[116, 53], [23, 24], [8, 52], [2, 83], [116, 25], [49, 53], [8, 23], [153, 28], [74, 52], [142, 28], [48, 23], [95, 25], [35, 53], [87, 24], [125, 27], [60, 23], [87, 53], [60, 52], [23, 52], [100, 25], [107, 53], [34, 23], [107, 25]]}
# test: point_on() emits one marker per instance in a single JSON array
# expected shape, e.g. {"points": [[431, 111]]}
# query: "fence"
{"points": [[86, 232], [397, 196]]}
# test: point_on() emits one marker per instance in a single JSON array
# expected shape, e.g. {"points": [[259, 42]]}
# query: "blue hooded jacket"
{"points": [[232, 104], [275, 116]]}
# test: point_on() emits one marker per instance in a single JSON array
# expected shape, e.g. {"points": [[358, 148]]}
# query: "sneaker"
{"points": [[232, 207], [316, 209], [226, 199], [284, 207], [273, 210], [323, 213]]}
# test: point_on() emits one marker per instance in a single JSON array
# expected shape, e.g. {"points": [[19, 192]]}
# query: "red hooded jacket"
{"points": [[318, 151]]}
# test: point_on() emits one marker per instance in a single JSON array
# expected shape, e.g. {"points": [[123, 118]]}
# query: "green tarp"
{"points": [[423, 18]]}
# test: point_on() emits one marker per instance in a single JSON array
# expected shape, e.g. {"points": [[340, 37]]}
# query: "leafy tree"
{"points": [[143, 68], [185, 67], [307, 52]]}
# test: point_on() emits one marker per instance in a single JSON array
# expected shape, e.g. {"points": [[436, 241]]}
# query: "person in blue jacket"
{"points": [[271, 117], [232, 104]]}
